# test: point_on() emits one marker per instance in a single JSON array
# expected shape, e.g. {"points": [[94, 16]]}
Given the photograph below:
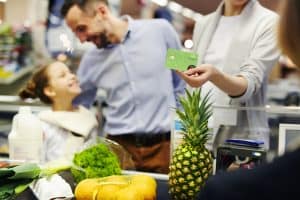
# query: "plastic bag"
{"points": [[51, 187], [100, 158], [125, 158]]}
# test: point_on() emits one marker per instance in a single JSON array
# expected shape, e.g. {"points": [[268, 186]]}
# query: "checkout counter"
{"points": [[9, 105]]}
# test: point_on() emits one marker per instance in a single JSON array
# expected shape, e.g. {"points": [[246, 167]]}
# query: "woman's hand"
{"points": [[196, 77], [232, 85]]}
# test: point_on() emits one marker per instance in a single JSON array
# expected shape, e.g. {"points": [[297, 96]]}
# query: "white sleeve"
{"points": [[262, 58]]}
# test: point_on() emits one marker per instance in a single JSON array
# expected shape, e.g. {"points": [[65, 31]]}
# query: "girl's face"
{"points": [[63, 83]]}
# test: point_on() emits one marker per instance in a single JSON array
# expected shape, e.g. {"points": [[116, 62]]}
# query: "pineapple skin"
{"points": [[189, 169]]}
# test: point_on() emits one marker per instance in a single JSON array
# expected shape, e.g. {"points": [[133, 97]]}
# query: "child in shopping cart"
{"points": [[66, 127]]}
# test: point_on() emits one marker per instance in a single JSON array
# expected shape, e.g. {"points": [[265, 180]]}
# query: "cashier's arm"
{"points": [[232, 85]]}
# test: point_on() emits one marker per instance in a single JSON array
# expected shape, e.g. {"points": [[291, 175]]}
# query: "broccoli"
{"points": [[95, 161]]}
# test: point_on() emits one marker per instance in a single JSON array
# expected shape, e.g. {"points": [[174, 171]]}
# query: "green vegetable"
{"points": [[16, 179], [54, 167], [10, 189], [96, 161], [4, 173], [26, 171]]}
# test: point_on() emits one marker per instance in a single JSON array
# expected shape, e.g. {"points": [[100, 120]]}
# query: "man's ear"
{"points": [[102, 9], [49, 92]]}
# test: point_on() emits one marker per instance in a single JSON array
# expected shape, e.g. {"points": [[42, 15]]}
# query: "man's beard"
{"points": [[104, 41]]}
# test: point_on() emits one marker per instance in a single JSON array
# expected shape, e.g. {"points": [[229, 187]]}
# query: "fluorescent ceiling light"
{"points": [[3, 1], [66, 42], [188, 44], [175, 6], [160, 2]]}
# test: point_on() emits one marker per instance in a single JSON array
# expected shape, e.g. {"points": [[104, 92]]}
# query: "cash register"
{"points": [[240, 153]]}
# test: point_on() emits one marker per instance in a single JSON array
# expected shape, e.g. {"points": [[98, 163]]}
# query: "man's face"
{"points": [[87, 28]]}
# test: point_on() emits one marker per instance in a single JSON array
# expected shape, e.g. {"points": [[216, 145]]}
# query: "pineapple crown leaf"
{"points": [[188, 94], [194, 116]]}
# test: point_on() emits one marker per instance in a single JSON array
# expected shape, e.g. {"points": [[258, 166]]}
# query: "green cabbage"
{"points": [[95, 161]]}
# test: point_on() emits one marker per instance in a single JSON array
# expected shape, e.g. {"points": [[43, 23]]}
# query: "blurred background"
{"points": [[32, 32]]}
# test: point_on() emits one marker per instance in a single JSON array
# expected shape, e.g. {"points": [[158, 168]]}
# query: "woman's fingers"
{"points": [[195, 71], [194, 80]]}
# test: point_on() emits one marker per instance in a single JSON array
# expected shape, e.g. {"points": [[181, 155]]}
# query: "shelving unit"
{"points": [[17, 75]]}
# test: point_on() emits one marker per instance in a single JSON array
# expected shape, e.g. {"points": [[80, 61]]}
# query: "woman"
{"points": [[237, 49], [279, 179]]}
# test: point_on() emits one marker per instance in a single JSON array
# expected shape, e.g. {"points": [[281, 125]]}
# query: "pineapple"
{"points": [[191, 162]]}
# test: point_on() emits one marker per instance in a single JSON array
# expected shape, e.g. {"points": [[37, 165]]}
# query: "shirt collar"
{"points": [[130, 26], [129, 29]]}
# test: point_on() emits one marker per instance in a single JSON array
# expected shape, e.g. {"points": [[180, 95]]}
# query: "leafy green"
{"points": [[5, 172], [54, 167], [25, 171], [15, 180], [95, 161], [9, 189]]}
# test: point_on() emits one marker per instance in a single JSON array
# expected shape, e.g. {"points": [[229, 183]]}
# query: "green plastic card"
{"points": [[181, 60]]}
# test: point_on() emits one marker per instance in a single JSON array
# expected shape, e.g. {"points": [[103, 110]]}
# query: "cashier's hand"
{"points": [[196, 77]]}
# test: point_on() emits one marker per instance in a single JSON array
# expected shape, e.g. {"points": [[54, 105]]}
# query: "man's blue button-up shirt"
{"points": [[139, 90]]}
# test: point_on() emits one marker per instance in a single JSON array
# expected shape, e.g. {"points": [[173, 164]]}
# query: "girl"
{"points": [[65, 126]]}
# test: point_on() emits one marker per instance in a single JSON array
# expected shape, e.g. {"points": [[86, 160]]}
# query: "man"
{"points": [[128, 64]]}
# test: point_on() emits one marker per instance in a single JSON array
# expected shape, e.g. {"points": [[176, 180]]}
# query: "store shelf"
{"points": [[11, 104], [17, 75]]}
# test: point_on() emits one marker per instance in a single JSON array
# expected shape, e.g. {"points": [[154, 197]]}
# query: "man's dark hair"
{"points": [[80, 3]]}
